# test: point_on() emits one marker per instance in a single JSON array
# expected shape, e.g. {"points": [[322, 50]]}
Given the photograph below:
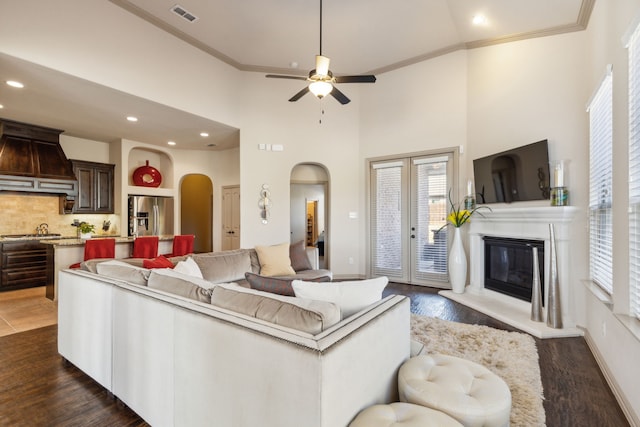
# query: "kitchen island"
{"points": [[68, 251]]}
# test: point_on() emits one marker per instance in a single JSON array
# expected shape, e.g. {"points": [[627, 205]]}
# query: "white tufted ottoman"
{"points": [[400, 414], [468, 392]]}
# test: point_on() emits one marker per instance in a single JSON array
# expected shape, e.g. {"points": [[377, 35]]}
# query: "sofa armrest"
{"points": [[314, 257]]}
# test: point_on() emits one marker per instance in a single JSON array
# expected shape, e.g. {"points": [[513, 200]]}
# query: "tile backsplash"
{"points": [[22, 213]]}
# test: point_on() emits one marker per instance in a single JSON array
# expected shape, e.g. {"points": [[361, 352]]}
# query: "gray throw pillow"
{"points": [[277, 285], [224, 267], [298, 255]]}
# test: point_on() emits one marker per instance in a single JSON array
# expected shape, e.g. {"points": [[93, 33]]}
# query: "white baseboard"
{"points": [[626, 407]]}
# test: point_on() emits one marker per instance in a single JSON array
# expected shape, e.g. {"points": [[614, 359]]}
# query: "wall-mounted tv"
{"points": [[514, 175]]}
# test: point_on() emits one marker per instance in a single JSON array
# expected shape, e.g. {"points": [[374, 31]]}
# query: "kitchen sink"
{"points": [[30, 236]]}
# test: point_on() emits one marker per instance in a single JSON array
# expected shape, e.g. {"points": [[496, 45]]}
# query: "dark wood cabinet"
{"points": [[32, 160], [25, 264], [95, 187], [29, 150]]}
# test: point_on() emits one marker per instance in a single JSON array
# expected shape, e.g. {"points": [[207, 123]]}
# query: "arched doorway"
{"points": [[309, 209], [196, 210]]}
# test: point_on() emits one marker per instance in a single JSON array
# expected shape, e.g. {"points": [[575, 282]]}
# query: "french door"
{"points": [[408, 207]]}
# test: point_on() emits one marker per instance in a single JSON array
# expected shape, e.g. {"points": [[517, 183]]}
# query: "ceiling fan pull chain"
{"points": [[321, 110]]}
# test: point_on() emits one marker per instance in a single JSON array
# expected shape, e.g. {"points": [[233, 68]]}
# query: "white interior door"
{"points": [[408, 206], [230, 217]]}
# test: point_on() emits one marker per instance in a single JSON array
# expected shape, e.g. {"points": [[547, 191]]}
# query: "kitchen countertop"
{"points": [[73, 241]]}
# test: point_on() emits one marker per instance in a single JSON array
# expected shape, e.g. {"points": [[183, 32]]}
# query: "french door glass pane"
{"points": [[430, 251], [387, 221]]}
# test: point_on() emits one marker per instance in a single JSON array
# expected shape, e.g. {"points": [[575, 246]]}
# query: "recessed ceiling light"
{"points": [[1, 106], [479, 19], [171, 142], [132, 119], [14, 83], [204, 134]]}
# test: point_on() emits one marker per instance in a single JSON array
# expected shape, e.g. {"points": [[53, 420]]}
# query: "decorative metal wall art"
{"points": [[264, 203]]}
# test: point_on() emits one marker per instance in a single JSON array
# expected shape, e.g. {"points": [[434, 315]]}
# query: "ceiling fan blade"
{"points": [[341, 97], [279, 76], [300, 94], [322, 65], [356, 79]]}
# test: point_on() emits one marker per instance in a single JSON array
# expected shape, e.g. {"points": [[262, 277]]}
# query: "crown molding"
{"points": [[586, 8]]}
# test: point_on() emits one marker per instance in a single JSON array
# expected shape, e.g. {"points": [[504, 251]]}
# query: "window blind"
{"points": [[386, 219], [634, 172], [600, 185], [430, 212]]}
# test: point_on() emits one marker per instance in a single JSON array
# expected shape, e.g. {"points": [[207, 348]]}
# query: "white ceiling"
{"points": [[360, 37]]}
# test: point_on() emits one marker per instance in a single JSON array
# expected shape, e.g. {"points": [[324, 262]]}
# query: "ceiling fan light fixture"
{"points": [[320, 88]]}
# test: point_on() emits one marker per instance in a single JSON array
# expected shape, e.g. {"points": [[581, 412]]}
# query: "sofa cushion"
{"points": [[297, 313], [188, 266], [158, 262], [277, 285], [123, 271], [224, 267], [298, 255], [350, 296], [274, 260], [91, 264], [181, 284]]}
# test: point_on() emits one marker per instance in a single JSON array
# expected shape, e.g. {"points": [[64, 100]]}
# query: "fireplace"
{"points": [[508, 265], [530, 224]]}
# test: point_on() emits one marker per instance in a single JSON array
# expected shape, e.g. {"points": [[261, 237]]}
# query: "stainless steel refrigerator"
{"points": [[150, 215]]}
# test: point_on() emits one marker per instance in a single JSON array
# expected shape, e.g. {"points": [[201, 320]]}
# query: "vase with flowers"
{"points": [[457, 262]]}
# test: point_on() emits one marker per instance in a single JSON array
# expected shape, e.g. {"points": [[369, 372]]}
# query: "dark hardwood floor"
{"points": [[38, 389], [575, 391]]}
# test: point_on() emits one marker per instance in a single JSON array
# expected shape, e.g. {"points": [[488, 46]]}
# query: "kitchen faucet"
{"points": [[42, 228]]}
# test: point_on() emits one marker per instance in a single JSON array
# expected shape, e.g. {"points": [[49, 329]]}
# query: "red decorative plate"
{"points": [[147, 176]]}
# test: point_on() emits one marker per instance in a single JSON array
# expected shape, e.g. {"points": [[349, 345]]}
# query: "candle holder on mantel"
{"points": [[559, 171]]}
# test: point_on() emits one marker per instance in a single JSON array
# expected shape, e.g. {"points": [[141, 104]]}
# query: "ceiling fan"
{"points": [[321, 79]]}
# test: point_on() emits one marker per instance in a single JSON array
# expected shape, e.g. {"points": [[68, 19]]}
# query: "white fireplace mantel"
{"points": [[531, 223]]}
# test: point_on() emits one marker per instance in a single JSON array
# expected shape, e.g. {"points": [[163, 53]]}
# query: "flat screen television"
{"points": [[514, 175]]}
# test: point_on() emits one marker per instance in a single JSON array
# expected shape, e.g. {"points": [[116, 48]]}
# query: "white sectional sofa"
{"points": [[180, 362]]}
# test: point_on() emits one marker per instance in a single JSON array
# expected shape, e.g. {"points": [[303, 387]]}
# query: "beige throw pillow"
{"points": [[274, 260]]}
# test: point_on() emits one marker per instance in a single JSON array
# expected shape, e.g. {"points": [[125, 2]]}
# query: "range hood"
{"points": [[32, 161]]}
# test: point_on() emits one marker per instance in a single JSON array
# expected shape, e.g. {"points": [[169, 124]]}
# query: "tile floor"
{"points": [[26, 309]]}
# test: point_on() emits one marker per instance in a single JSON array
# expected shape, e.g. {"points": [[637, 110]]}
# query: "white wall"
{"points": [[103, 43], [84, 149], [416, 108], [609, 330], [268, 118]]}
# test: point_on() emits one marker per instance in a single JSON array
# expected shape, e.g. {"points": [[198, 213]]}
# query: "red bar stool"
{"points": [[145, 247], [98, 248], [182, 245]]}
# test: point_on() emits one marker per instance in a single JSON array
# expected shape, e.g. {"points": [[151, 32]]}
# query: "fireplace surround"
{"points": [[522, 223]]}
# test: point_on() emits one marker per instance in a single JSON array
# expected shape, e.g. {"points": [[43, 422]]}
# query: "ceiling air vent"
{"points": [[184, 13]]}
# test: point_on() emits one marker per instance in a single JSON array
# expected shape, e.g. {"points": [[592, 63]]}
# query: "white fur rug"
{"points": [[511, 355]]}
